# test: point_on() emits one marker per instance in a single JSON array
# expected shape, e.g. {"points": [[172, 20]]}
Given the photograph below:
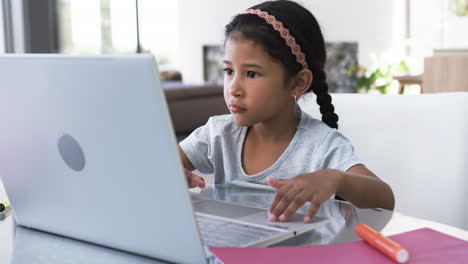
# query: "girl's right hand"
{"points": [[194, 180]]}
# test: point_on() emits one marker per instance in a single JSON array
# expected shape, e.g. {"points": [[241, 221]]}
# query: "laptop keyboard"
{"points": [[219, 232]]}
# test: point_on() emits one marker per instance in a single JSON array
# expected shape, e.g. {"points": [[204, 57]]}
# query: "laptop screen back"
{"points": [[87, 150]]}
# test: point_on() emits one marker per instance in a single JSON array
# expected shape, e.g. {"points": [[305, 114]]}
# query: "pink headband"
{"points": [[284, 32]]}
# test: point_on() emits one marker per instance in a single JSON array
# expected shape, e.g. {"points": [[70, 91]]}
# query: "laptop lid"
{"points": [[87, 151]]}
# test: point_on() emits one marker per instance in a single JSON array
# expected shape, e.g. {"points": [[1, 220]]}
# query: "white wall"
{"points": [[202, 22], [377, 25], [436, 27]]}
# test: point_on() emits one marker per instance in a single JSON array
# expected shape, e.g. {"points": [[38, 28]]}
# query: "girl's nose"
{"points": [[235, 88]]}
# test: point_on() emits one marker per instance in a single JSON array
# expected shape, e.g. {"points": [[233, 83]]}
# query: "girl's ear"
{"points": [[302, 82]]}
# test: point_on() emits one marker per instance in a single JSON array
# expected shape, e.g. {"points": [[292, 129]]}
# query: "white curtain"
{"points": [[2, 30]]}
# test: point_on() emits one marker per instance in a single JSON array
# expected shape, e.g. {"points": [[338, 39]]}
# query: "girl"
{"points": [[274, 54]]}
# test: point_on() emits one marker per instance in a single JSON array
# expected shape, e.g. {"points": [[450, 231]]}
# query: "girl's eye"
{"points": [[228, 71], [252, 74]]}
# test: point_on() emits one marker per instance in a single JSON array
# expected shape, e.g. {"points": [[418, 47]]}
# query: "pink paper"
{"points": [[424, 245]]}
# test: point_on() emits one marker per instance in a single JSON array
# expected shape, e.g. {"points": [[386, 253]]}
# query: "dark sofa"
{"points": [[190, 106]]}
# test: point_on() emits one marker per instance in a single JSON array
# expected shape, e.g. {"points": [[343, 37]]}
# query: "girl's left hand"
{"points": [[315, 187]]}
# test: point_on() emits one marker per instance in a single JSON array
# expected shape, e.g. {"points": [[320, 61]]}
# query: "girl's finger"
{"points": [[298, 201], [279, 194], [313, 208], [200, 182], [283, 203], [276, 183]]}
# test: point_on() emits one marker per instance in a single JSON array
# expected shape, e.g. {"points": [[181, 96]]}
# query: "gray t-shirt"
{"points": [[216, 148]]}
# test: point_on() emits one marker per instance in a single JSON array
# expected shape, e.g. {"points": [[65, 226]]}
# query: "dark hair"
{"points": [[305, 29]]}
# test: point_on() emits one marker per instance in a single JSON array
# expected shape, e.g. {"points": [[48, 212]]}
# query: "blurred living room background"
{"points": [[374, 46]]}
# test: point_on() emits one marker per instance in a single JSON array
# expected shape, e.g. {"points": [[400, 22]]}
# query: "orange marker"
{"points": [[383, 244]]}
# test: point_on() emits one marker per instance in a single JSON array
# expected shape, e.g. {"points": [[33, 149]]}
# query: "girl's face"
{"points": [[255, 89]]}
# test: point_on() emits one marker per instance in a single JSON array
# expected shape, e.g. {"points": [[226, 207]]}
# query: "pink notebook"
{"points": [[424, 245]]}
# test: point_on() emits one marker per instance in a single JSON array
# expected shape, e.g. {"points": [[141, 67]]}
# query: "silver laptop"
{"points": [[87, 151]]}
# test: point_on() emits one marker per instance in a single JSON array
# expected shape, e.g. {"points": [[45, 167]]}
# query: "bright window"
{"points": [[110, 26]]}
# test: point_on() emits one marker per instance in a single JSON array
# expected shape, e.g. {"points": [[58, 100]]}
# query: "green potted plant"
{"points": [[379, 80]]}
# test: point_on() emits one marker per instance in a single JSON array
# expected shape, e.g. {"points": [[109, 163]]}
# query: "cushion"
{"points": [[416, 143]]}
